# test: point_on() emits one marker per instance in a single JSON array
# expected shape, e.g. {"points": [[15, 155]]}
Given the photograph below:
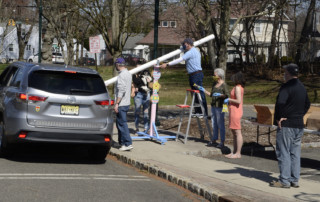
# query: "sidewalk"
{"points": [[214, 180]]}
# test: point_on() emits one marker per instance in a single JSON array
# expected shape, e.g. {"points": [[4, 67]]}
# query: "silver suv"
{"points": [[51, 103]]}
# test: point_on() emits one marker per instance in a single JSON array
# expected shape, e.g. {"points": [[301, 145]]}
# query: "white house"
{"points": [[131, 47], [10, 51]]}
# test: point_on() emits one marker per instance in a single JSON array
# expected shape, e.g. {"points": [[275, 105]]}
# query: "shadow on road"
{"points": [[51, 153]]}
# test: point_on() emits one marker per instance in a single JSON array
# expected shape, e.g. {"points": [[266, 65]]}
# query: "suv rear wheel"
{"points": [[98, 153], [4, 146]]}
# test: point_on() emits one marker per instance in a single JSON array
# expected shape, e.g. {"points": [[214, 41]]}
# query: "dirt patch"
{"points": [[249, 131]]}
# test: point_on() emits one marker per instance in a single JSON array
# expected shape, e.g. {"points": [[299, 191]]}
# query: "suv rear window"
{"points": [[67, 83]]}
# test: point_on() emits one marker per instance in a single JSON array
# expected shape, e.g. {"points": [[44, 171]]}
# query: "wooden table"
{"points": [[271, 129]]}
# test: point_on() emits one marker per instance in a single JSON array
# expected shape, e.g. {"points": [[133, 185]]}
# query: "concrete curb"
{"points": [[181, 181]]}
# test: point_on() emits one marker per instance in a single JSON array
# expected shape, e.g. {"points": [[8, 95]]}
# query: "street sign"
{"points": [[94, 44]]}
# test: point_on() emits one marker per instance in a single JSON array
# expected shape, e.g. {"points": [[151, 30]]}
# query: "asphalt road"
{"points": [[65, 173]]}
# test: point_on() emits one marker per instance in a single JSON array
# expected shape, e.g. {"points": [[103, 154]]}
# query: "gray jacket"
{"points": [[123, 87]]}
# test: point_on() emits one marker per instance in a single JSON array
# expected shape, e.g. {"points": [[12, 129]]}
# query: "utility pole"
{"points": [[156, 25], [40, 32], [155, 43]]}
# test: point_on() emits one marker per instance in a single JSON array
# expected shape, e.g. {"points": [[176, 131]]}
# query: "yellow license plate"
{"points": [[69, 110]]}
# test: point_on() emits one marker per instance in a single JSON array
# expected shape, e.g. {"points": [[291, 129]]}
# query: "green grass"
{"points": [[174, 82], [2, 67]]}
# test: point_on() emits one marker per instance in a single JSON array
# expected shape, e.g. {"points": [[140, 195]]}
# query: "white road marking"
{"points": [[72, 176]]}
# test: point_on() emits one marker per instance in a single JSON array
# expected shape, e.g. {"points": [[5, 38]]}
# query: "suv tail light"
{"points": [[37, 98], [106, 138], [23, 96], [105, 102], [22, 134]]}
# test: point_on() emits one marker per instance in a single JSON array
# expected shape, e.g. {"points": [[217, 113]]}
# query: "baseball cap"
{"points": [[293, 69], [120, 61], [188, 41]]}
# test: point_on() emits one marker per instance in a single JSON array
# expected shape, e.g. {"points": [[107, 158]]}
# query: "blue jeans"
{"points": [[288, 152], [197, 79], [141, 99], [218, 123], [124, 137]]}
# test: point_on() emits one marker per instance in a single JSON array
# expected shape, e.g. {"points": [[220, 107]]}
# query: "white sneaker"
{"points": [[200, 116], [126, 148]]}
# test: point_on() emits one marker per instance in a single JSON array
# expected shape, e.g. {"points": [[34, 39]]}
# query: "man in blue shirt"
{"points": [[193, 64]]}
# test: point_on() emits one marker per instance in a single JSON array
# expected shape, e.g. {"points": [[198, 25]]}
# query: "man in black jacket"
{"points": [[291, 105]]}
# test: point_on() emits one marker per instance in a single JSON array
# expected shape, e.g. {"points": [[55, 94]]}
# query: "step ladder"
{"points": [[193, 93]]}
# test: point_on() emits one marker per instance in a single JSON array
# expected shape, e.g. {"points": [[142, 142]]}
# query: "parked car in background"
{"points": [[33, 58], [235, 56], [130, 59], [57, 58], [87, 61], [53, 104]]}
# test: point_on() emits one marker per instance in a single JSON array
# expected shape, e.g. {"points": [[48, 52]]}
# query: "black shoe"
{"points": [[212, 144], [115, 145]]}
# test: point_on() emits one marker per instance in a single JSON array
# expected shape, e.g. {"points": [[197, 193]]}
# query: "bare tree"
{"points": [[62, 21], [110, 18], [224, 29], [217, 16], [201, 13], [24, 24], [306, 30], [7, 13], [272, 59]]}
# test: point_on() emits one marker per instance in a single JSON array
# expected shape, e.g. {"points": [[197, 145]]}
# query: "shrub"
{"points": [[286, 60], [261, 59]]}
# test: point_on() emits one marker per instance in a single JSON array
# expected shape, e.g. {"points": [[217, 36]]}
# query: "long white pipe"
{"points": [[160, 59]]}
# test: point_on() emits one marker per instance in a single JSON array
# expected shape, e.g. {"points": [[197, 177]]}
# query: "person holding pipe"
{"points": [[192, 57]]}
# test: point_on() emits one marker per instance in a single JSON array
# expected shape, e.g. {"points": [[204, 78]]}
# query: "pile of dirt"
{"points": [[249, 131]]}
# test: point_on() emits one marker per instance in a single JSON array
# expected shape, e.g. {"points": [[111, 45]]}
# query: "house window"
{"points": [[257, 27], [173, 24], [164, 23], [10, 47], [28, 48], [231, 23]]}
